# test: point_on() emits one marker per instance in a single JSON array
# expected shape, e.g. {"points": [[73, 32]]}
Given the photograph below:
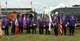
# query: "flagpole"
{"points": [[31, 4], [0, 8], [6, 7]]}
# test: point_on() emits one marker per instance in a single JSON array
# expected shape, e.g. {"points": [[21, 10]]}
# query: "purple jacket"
{"points": [[20, 21], [24, 21], [72, 20], [40, 21], [55, 20], [64, 20], [28, 22], [46, 22]]}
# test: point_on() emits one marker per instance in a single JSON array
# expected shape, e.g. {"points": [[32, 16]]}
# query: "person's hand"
{"points": [[44, 26], [75, 25], [30, 25], [66, 25], [34, 24], [53, 24]]}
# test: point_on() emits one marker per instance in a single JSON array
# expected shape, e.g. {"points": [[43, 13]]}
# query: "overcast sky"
{"points": [[37, 4]]}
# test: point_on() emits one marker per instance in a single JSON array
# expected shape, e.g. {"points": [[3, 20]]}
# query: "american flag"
{"points": [[60, 27]]}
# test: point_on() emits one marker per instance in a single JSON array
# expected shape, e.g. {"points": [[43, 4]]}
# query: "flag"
{"points": [[17, 28], [60, 27]]}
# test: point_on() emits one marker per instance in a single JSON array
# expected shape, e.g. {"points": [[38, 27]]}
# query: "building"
{"points": [[14, 12], [20, 10]]}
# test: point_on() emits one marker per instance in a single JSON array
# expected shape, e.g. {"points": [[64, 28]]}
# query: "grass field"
{"points": [[38, 37]]}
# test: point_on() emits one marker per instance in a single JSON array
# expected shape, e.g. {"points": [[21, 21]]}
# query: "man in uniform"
{"points": [[41, 25], [20, 22], [47, 25], [72, 24], [6, 25], [28, 24], [24, 21], [55, 24], [64, 23], [13, 26], [34, 24]]}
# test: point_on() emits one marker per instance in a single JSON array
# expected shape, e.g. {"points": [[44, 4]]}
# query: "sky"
{"points": [[37, 4]]}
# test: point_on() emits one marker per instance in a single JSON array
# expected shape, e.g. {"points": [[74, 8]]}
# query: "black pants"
{"points": [[13, 29], [55, 30], [20, 29], [7, 30], [33, 29], [71, 30], [64, 30], [47, 30], [41, 30], [28, 30]]}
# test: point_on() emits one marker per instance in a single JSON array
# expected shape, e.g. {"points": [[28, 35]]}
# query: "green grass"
{"points": [[38, 37]]}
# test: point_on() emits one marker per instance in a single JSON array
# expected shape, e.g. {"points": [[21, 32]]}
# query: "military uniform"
{"points": [[34, 24], [46, 23], [41, 26], [6, 25], [20, 22], [24, 22], [55, 24], [64, 23], [28, 24], [72, 23], [13, 26]]}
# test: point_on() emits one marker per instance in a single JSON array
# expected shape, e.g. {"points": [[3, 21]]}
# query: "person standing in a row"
{"points": [[72, 24], [64, 23], [41, 25], [55, 24], [47, 25], [13, 25], [28, 24], [34, 24], [24, 21], [20, 22], [6, 25]]}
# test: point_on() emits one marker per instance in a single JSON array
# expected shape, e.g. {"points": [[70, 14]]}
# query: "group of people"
{"points": [[19, 24], [59, 23], [62, 22]]}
